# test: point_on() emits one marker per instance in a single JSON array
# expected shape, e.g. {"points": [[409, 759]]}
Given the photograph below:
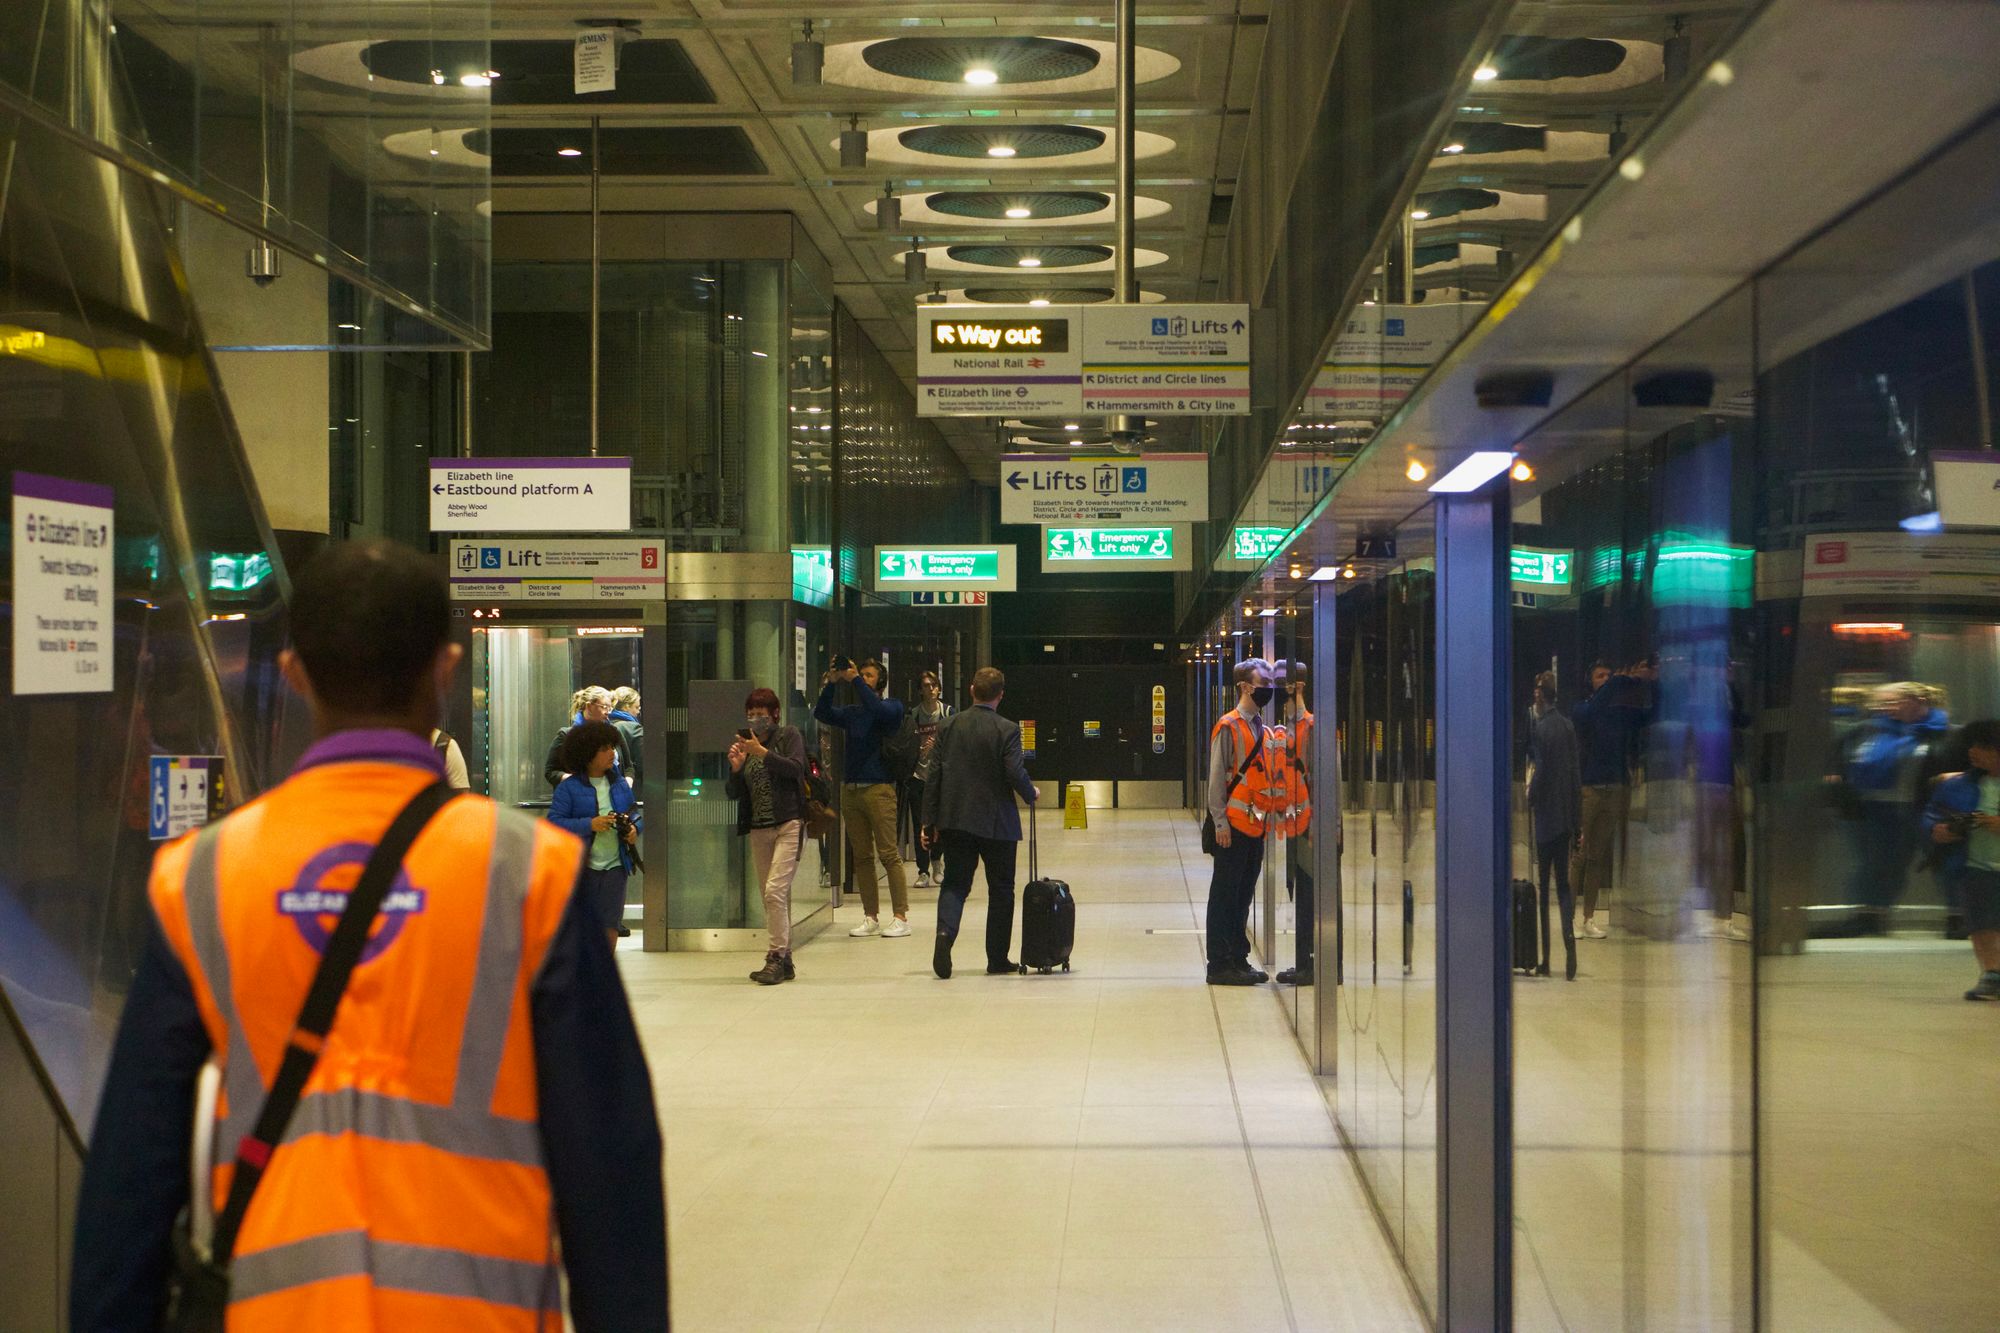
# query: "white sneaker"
{"points": [[869, 926], [924, 880], [896, 929], [1591, 930], [1711, 927], [1736, 932]]}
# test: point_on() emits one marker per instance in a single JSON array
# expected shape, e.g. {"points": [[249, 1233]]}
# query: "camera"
{"points": [[842, 662]]}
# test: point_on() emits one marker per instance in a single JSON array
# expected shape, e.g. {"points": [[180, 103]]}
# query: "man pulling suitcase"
{"points": [[969, 812]]}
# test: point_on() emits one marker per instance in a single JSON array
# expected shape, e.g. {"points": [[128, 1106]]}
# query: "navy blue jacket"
{"points": [[866, 724], [1956, 795], [575, 804], [1605, 724]]}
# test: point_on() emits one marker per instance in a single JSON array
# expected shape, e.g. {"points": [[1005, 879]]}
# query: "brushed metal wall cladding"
{"points": [[1012, 59], [739, 576], [1025, 140]]}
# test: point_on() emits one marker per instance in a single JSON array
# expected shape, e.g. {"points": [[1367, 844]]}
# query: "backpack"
{"points": [[902, 750]]}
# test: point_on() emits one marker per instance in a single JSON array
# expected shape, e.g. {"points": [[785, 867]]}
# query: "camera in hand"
{"points": [[843, 662]]}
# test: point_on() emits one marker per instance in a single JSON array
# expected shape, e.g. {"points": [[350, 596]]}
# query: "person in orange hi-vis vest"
{"points": [[479, 1110], [1243, 797], [1298, 821]]}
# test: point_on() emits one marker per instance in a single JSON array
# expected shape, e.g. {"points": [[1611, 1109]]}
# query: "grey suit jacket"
{"points": [[976, 769]]}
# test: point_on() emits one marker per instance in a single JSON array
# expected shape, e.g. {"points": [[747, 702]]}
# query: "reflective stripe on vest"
{"points": [[1251, 801], [424, 1269], [466, 1128]]}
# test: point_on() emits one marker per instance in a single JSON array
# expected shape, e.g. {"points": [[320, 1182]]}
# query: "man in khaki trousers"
{"points": [[867, 795]]}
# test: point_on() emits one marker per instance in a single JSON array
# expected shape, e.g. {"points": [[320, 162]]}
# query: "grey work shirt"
{"points": [[1223, 761]]}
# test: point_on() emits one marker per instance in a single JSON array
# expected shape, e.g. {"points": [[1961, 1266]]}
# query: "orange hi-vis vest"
{"points": [[1298, 778], [1258, 794], [410, 1190]]}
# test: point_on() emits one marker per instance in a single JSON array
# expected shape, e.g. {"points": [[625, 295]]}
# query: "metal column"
{"points": [[1329, 807], [1125, 288], [1475, 1039], [596, 275]]}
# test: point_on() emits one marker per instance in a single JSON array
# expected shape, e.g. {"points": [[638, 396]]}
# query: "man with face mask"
{"points": [[1241, 798]]}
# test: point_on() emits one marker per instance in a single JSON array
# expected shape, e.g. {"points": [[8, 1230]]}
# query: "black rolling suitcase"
{"points": [[1048, 915], [1527, 932]]}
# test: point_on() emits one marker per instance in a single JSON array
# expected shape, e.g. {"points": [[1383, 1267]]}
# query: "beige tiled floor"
{"points": [[1121, 1147]]}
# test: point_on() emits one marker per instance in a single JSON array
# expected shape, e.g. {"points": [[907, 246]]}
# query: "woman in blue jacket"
{"points": [[1963, 819], [596, 805]]}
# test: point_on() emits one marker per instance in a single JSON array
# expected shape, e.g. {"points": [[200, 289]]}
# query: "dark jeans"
{"points": [[1884, 838], [1553, 854], [962, 854], [604, 890], [913, 820], [1230, 890], [1299, 882]]}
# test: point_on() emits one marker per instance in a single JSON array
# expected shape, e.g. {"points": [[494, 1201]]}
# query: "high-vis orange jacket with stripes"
{"points": [[410, 1191], [1259, 794]]}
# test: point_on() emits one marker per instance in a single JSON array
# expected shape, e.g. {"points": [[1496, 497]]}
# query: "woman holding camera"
{"points": [[597, 807]]}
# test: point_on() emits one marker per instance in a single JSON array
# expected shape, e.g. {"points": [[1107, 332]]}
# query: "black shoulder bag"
{"points": [[199, 1296], [1208, 843]]}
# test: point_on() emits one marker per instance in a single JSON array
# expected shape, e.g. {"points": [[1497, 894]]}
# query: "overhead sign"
{"points": [[1165, 547], [531, 494], [1257, 543], [62, 585], [1379, 357], [1167, 360], [595, 61], [1018, 360], [947, 597], [559, 570], [1104, 488], [1012, 360], [1968, 489], [936, 568], [1541, 571], [185, 792]]}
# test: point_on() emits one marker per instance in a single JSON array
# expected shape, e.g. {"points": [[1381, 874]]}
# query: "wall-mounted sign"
{"points": [[1159, 719], [1138, 548], [1027, 738], [531, 494], [1541, 571], [1968, 489], [1167, 360], [946, 597], [1380, 547], [559, 570], [1009, 360], [1257, 543], [1093, 730], [936, 568], [1104, 488], [185, 792], [62, 585], [1018, 360], [799, 656]]}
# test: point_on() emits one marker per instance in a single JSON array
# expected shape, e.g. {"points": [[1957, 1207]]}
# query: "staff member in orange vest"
{"points": [[480, 1093], [1298, 817], [1240, 800]]}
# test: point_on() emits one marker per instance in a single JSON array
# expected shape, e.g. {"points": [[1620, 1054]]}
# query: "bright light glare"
{"points": [[1521, 471], [1931, 522], [1000, 150], [1485, 74], [982, 77], [1020, 213], [1324, 574], [569, 152], [1039, 300], [476, 80], [1072, 425], [1419, 214], [1475, 471], [1632, 168], [1452, 148], [1416, 471], [1029, 261]]}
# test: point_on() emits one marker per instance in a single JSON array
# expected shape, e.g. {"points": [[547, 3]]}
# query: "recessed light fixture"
{"points": [[1029, 261], [1485, 74], [1347, 573], [1072, 425], [569, 152], [437, 76], [1632, 168], [1018, 212], [1001, 150], [1473, 472], [1416, 471], [478, 80], [981, 77], [434, 152], [1419, 214], [1324, 574], [1452, 148], [1268, 612], [1521, 471], [1039, 300], [354, 327], [765, 355]]}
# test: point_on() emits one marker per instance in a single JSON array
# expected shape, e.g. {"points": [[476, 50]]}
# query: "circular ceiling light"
{"points": [[478, 80], [1416, 471], [971, 141], [1020, 212], [981, 61], [1017, 256], [1043, 205], [1029, 261], [1001, 150], [1419, 214], [569, 152], [1039, 300], [1485, 74], [1038, 296], [1452, 148]]}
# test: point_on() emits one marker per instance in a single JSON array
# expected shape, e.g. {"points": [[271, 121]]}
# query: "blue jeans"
{"points": [[604, 890], [1231, 887]]}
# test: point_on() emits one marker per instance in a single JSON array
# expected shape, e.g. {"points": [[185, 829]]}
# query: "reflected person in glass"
{"points": [[1963, 818], [1555, 803]]}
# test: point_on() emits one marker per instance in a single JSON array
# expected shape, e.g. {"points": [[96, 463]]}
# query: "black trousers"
{"points": [[1553, 854], [1299, 883], [963, 852], [1231, 888]]}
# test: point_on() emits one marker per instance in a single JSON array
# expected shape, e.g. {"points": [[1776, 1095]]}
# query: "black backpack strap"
{"points": [[329, 983]]}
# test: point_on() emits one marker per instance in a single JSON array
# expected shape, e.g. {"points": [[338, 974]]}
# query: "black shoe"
{"points": [[1954, 926], [1002, 969], [1296, 976], [773, 970], [790, 974], [1542, 970], [1230, 976], [1987, 989], [1569, 968], [624, 932], [941, 957]]}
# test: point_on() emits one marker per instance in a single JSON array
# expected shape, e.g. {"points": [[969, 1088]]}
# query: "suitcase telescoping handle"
{"points": [[1034, 861]]}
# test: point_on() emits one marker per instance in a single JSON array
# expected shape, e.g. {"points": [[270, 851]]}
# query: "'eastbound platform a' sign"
{"points": [[531, 494]]}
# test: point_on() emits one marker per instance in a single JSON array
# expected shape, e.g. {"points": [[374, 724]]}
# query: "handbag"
{"points": [[1209, 845], [815, 810], [198, 1292]]}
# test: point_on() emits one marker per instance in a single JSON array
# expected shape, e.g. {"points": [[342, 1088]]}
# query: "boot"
{"points": [[773, 971], [790, 975]]}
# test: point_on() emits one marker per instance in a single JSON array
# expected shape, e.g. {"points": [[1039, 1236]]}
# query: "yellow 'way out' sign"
{"points": [[1073, 815]]}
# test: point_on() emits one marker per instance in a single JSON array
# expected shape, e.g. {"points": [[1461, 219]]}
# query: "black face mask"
{"points": [[1261, 695]]}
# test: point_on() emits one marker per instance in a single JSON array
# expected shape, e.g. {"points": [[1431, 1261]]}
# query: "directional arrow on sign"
{"points": [[1237, 327], [1014, 480], [437, 490]]}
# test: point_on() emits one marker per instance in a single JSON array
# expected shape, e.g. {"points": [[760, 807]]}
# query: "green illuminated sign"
{"points": [[238, 573], [1257, 543], [812, 575], [928, 566], [1540, 569], [1108, 544]]}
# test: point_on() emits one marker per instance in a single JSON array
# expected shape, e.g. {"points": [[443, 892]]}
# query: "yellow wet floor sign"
{"points": [[1073, 815]]}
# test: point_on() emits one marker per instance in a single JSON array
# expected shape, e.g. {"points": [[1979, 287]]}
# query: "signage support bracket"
{"points": [[1127, 431]]}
